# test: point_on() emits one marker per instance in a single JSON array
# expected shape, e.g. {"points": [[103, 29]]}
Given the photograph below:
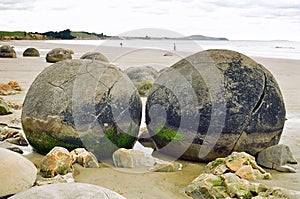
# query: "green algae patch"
{"points": [[167, 134]]}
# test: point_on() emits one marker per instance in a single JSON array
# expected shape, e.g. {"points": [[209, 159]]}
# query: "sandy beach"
{"points": [[153, 185]]}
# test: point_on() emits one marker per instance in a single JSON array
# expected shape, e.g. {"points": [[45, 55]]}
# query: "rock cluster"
{"points": [[82, 103], [212, 103], [10, 88], [7, 51], [12, 136], [234, 177]]}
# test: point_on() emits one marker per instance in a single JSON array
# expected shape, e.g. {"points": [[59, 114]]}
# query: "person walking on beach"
{"points": [[121, 44], [174, 47]]}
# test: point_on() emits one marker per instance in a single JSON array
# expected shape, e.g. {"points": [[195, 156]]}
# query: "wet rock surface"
{"points": [[82, 103], [212, 103]]}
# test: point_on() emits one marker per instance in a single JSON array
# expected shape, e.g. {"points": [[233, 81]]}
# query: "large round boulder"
{"points": [[213, 103], [31, 52], [82, 103], [142, 77], [94, 55], [68, 190], [58, 54], [17, 173], [7, 51]]}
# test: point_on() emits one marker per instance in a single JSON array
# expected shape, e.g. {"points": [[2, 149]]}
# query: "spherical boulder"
{"points": [[142, 77], [7, 51], [94, 55], [31, 52], [17, 173], [58, 54], [213, 103], [82, 103], [68, 190]]}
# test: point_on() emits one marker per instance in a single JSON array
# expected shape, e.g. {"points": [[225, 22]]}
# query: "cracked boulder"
{"points": [[31, 52], [82, 104], [213, 103], [58, 54]]}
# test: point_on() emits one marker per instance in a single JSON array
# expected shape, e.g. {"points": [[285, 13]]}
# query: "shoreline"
{"points": [[157, 185]]}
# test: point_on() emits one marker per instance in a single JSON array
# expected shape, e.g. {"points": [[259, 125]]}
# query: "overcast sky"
{"points": [[234, 19]]}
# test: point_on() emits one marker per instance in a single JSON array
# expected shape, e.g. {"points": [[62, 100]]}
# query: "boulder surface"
{"points": [[82, 104], [213, 103]]}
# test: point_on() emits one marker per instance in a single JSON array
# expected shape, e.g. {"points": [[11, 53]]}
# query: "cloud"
{"points": [[16, 4]]}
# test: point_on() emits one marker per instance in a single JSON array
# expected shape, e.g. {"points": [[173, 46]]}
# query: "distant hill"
{"points": [[201, 37], [68, 34]]}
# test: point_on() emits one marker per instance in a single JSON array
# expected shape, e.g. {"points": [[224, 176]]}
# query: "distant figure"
{"points": [[174, 47], [121, 44]]}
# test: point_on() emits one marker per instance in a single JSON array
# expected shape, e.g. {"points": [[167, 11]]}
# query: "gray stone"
{"points": [[94, 56], [213, 103], [7, 51], [68, 190], [277, 157], [58, 54], [130, 158], [142, 77], [31, 52], [17, 173], [82, 104]]}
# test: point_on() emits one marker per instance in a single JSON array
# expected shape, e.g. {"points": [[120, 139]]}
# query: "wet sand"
{"points": [[154, 185]]}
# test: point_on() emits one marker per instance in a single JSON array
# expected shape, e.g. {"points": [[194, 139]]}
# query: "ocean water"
{"points": [[272, 49]]}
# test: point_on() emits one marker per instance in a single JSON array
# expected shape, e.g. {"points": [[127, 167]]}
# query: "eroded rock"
{"points": [[277, 157], [82, 103], [84, 158], [57, 161], [213, 103]]}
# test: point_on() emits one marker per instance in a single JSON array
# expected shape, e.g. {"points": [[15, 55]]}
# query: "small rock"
{"points": [[4, 108], [207, 186], [57, 161], [31, 52], [15, 149], [94, 56], [7, 51], [84, 158], [277, 157], [68, 178], [236, 186], [68, 190], [17, 173], [58, 54], [168, 54], [245, 172], [130, 158]]}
